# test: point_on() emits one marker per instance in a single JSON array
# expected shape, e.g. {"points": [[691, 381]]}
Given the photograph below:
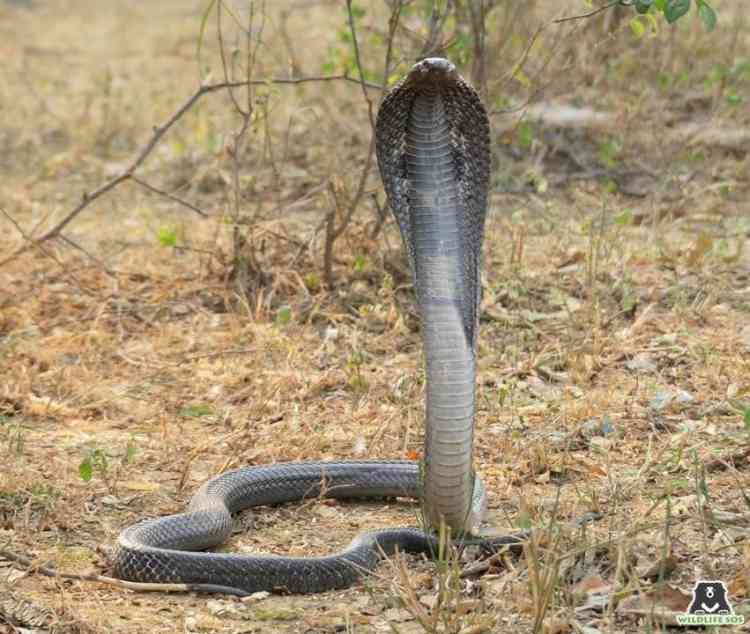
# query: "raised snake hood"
{"points": [[432, 141]]}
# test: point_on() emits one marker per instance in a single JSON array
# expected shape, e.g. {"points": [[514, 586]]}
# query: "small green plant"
{"points": [[96, 461], [624, 218], [360, 263], [525, 134], [505, 393], [356, 379], [38, 497], [609, 151], [167, 236], [312, 282], [99, 462], [283, 316], [731, 80]]}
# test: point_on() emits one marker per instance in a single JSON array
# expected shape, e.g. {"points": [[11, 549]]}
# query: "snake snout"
{"points": [[433, 69]]}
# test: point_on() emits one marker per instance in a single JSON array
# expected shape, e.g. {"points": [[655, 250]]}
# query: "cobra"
{"points": [[432, 145]]}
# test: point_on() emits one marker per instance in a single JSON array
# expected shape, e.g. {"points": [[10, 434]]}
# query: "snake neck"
{"points": [[446, 282]]}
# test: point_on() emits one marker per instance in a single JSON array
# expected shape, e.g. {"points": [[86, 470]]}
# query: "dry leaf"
{"points": [[663, 604], [554, 625], [398, 615], [703, 245], [739, 587], [140, 485], [662, 569], [590, 584]]}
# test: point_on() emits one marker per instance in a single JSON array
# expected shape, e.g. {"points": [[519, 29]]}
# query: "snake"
{"points": [[432, 144]]}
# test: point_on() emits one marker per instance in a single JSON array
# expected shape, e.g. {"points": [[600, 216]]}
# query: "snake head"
{"points": [[433, 69]]}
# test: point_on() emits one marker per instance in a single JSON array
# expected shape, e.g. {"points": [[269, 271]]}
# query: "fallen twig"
{"points": [[127, 585]]}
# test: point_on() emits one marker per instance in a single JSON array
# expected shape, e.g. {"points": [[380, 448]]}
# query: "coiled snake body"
{"points": [[432, 142]]}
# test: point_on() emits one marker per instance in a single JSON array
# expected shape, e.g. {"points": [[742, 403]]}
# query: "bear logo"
{"points": [[710, 597]]}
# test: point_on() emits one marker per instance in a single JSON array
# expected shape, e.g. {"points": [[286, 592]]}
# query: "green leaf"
{"points": [[167, 237], [643, 6], [625, 217], [740, 69], [746, 419], [609, 150], [525, 134], [358, 12], [360, 263], [636, 26], [86, 469], [733, 99], [312, 282], [707, 14], [675, 9], [100, 460], [283, 316]]}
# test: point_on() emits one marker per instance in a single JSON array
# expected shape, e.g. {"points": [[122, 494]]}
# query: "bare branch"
{"points": [[358, 61], [589, 14], [91, 257], [159, 131], [434, 43], [332, 231], [166, 194], [222, 53]]}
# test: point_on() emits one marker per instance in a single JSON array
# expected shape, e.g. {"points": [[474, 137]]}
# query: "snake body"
{"points": [[432, 143], [434, 157], [163, 550]]}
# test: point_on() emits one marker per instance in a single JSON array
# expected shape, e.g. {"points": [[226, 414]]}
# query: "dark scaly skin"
{"points": [[434, 159], [162, 550], [432, 142]]}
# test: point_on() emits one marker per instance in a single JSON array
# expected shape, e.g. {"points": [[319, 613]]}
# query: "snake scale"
{"points": [[432, 145]]}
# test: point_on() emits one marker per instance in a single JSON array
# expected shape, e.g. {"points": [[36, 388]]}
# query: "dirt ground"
{"points": [[138, 357]]}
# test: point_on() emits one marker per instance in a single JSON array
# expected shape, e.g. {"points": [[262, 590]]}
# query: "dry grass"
{"points": [[615, 342]]}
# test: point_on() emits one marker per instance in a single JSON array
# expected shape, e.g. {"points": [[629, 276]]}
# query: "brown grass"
{"points": [[599, 307]]}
